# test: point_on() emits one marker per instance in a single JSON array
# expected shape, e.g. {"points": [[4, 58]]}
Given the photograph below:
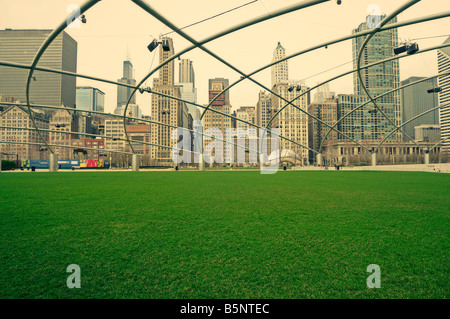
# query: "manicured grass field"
{"points": [[224, 234]]}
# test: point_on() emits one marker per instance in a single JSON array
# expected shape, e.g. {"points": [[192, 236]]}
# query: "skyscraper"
{"points": [[416, 100], [165, 109], [280, 72], [166, 73], [90, 99], [187, 87], [326, 110], [359, 124], [264, 109], [114, 130], [215, 86], [292, 122], [444, 98], [21, 46], [378, 79], [123, 92], [189, 93], [222, 104], [186, 72], [245, 131]]}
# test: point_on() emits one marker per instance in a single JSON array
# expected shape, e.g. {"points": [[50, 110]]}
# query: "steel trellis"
{"points": [[23, 66], [325, 44], [375, 98], [91, 3], [115, 115], [333, 127], [196, 44], [395, 13]]}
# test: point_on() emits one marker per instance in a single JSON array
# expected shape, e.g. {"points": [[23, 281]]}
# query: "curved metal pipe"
{"points": [[230, 30], [38, 55], [375, 98], [361, 50], [441, 141], [410, 120], [201, 106], [424, 20]]}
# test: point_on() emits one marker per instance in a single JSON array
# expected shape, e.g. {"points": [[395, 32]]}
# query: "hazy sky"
{"points": [[116, 27]]}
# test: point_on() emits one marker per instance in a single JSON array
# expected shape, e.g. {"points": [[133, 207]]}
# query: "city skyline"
{"points": [[245, 48], [263, 154]]}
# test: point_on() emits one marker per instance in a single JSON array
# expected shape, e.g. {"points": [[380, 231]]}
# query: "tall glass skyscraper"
{"points": [[123, 92], [21, 46], [90, 99], [377, 79]]}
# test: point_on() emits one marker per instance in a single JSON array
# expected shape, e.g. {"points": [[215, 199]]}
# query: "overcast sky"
{"points": [[116, 27]]}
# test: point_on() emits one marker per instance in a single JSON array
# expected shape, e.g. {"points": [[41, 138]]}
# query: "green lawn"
{"points": [[224, 234]]}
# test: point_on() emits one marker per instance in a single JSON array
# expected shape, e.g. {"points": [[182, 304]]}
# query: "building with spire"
{"points": [[280, 72], [123, 92], [291, 122]]}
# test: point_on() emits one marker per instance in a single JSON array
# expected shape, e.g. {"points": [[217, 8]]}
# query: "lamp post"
{"points": [[53, 162], [427, 157], [374, 157]]}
